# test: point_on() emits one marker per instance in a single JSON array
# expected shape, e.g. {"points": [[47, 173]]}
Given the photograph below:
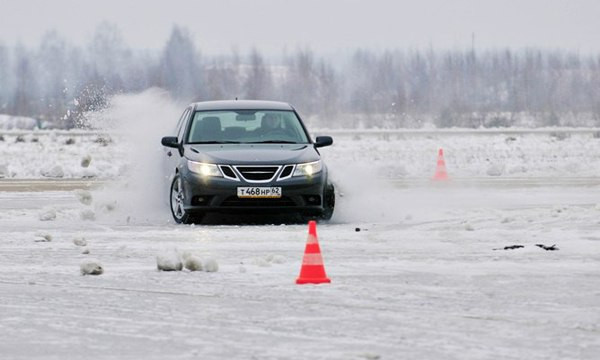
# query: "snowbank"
{"points": [[394, 155], [8, 122]]}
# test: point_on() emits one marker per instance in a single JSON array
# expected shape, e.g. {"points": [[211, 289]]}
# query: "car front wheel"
{"points": [[328, 202], [180, 215]]}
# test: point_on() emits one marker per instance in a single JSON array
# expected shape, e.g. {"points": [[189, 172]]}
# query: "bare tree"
{"points": [[52, 76], [26, 87], [180, 66], [6, 78], [60, 82], [258, 83]]}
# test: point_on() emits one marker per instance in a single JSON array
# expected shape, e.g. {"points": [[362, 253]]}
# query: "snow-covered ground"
{"points": [[422, 280], [59, 155], [472, 154], [426, 277], [8, 122], [127, 145], [411, 155]]}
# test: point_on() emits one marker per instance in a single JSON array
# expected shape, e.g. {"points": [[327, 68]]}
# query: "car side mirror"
{"points": [[170, 141], [323, 141]]}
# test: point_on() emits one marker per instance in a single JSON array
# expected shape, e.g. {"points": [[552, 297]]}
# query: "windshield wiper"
{"points": [[273, 142]]}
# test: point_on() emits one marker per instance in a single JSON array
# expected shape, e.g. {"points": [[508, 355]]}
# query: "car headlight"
{"points": [[204, 169], [308, 169]]}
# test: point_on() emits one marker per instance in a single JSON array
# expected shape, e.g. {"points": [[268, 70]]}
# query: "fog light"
{"points": [[203, 200], [312, 199]]}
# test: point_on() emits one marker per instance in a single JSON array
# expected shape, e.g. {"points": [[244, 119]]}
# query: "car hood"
{"points": [[244, 154]]}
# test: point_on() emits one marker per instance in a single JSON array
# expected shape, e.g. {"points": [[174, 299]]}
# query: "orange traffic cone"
{"points": [[312, 271], [440, 170]]}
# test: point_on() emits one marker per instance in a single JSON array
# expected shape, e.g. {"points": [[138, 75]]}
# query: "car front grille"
{"points": [[249, 202], [258, 173]]}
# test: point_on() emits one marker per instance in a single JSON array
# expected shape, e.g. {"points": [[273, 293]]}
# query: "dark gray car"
{"points": [[245, 156]]}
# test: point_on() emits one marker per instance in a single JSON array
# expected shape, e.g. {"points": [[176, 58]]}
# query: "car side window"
{"points": [[181, 127], [179, 122]]}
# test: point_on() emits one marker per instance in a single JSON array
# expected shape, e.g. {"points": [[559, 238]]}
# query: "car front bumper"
{"points": [[215, 194]]}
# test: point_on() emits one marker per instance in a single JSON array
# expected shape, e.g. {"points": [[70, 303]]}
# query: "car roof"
{"points": [[242, 105]]}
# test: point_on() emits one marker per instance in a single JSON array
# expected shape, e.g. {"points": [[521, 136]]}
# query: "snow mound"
{"points": [[48, 215], [495, 170], [106, 206], [168, 261], [87, 214], [193, 263], [517, 170], [85, 161], [268, 260], [55, 171], [42, 237], [261, 262], [211, 265], [91, 267], [80, 241], [9, 122], [276, 259], [88, 173], [84, 197]]}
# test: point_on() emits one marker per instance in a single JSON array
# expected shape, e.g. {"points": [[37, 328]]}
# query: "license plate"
{"points": [[259, 192]]}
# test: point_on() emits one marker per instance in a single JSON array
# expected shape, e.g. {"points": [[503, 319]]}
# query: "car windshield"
{"points": [[246, 126]]}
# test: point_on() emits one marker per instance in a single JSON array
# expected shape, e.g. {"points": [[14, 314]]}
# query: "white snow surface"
{"points": [[469, 155], [49, 156], [413, 283], [388, 156], [420, 280], [17, 122]]}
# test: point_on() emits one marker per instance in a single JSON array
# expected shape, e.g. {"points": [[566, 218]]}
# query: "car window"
{"points": [[246, 126], [182, 126], [179, 122]]}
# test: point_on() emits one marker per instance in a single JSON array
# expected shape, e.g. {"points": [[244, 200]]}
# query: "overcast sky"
{"points": [[324, 25]]}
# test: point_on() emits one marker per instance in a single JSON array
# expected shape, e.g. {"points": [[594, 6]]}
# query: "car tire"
{"points": [[180, 215], [328, 202]]}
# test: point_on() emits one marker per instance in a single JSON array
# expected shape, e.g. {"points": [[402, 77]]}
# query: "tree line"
{"points": [[60, 82]]}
